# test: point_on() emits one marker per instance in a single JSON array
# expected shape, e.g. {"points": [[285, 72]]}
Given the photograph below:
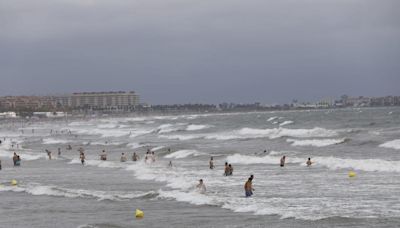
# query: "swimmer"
{"points": [[283, 159], [123, 157], [48, 153], [248, 187], [69, 147], [309, 162], [226, 170], [59, 151], [15, 157], [153, 157], [18, 161], [201, 187], [230, 170], [82, 157], [103, 156], [135, 157], [211, 163]]}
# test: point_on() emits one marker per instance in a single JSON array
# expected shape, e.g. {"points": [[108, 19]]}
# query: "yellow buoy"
{"points": [[352, 174], [14, 182], [139, 213]]}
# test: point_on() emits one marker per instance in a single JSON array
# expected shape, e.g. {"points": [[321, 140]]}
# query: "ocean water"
{"points": [[63, 193]]}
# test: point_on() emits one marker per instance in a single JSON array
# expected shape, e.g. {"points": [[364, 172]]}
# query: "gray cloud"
{"points": [[178, 51]]}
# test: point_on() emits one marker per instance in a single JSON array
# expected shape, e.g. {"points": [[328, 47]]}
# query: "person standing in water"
{"points": [[82, 157], [48, 153], [59, 151], [170, 164], [201, 187], [211, 163], [248, 187], [103, 156], [283, 159], [226, 169], [15, 157], [135, 157], [230, 170], [309, 162], [0, 164], [123, 157]]}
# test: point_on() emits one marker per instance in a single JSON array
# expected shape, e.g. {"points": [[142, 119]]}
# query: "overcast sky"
{"points": [[208, 51]]}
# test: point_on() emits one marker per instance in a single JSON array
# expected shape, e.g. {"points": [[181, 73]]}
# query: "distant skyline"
{"points": [[185, 51]]}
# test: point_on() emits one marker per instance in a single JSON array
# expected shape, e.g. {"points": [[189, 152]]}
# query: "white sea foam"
{"points": [[315, 142], [287, 122], [394, 144], [194, 127], [99, 163], [191, 197], [248, 133], [358, 164], [135, 145], [183, 154], [55, 141], [25, 156], [40, 190], [272, 118], [108, 126], [267, 159], [157, 148], [166, 128], [104, 143]]}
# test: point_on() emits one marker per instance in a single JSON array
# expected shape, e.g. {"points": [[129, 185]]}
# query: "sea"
{"points": [[62, 192]]}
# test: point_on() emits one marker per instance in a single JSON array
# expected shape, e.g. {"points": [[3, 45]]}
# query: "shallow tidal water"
{"points": [[63, 193]]}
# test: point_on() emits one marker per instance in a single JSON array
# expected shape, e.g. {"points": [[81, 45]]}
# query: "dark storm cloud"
{"points": [[174, 51]]}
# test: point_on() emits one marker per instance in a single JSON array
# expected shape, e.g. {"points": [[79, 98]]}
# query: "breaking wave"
{"points": [[40, 190], [183, 154], [394, 144], [316, 142], [247, 133]]}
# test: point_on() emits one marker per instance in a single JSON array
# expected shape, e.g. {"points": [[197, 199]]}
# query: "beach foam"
{"points": [[55, 141], [40, 190], [394, 144], [183, 154], [194, 127], [287, 122], [315, 142]]}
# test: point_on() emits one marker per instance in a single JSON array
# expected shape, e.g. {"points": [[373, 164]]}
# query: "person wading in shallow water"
{"points": [[82, 157], [211, 163], [309, 162], [283, 159], [248, 187]]}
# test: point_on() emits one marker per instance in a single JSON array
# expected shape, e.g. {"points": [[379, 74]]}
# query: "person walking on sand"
{"points": [[309, 162], [211, 163], [248, 187], [283, 159]]}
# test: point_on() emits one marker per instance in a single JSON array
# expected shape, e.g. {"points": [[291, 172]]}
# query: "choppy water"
{"points": [[63, 193]]}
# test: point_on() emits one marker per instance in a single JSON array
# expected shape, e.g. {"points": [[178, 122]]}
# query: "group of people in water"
{"points": [[150, 157]]}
